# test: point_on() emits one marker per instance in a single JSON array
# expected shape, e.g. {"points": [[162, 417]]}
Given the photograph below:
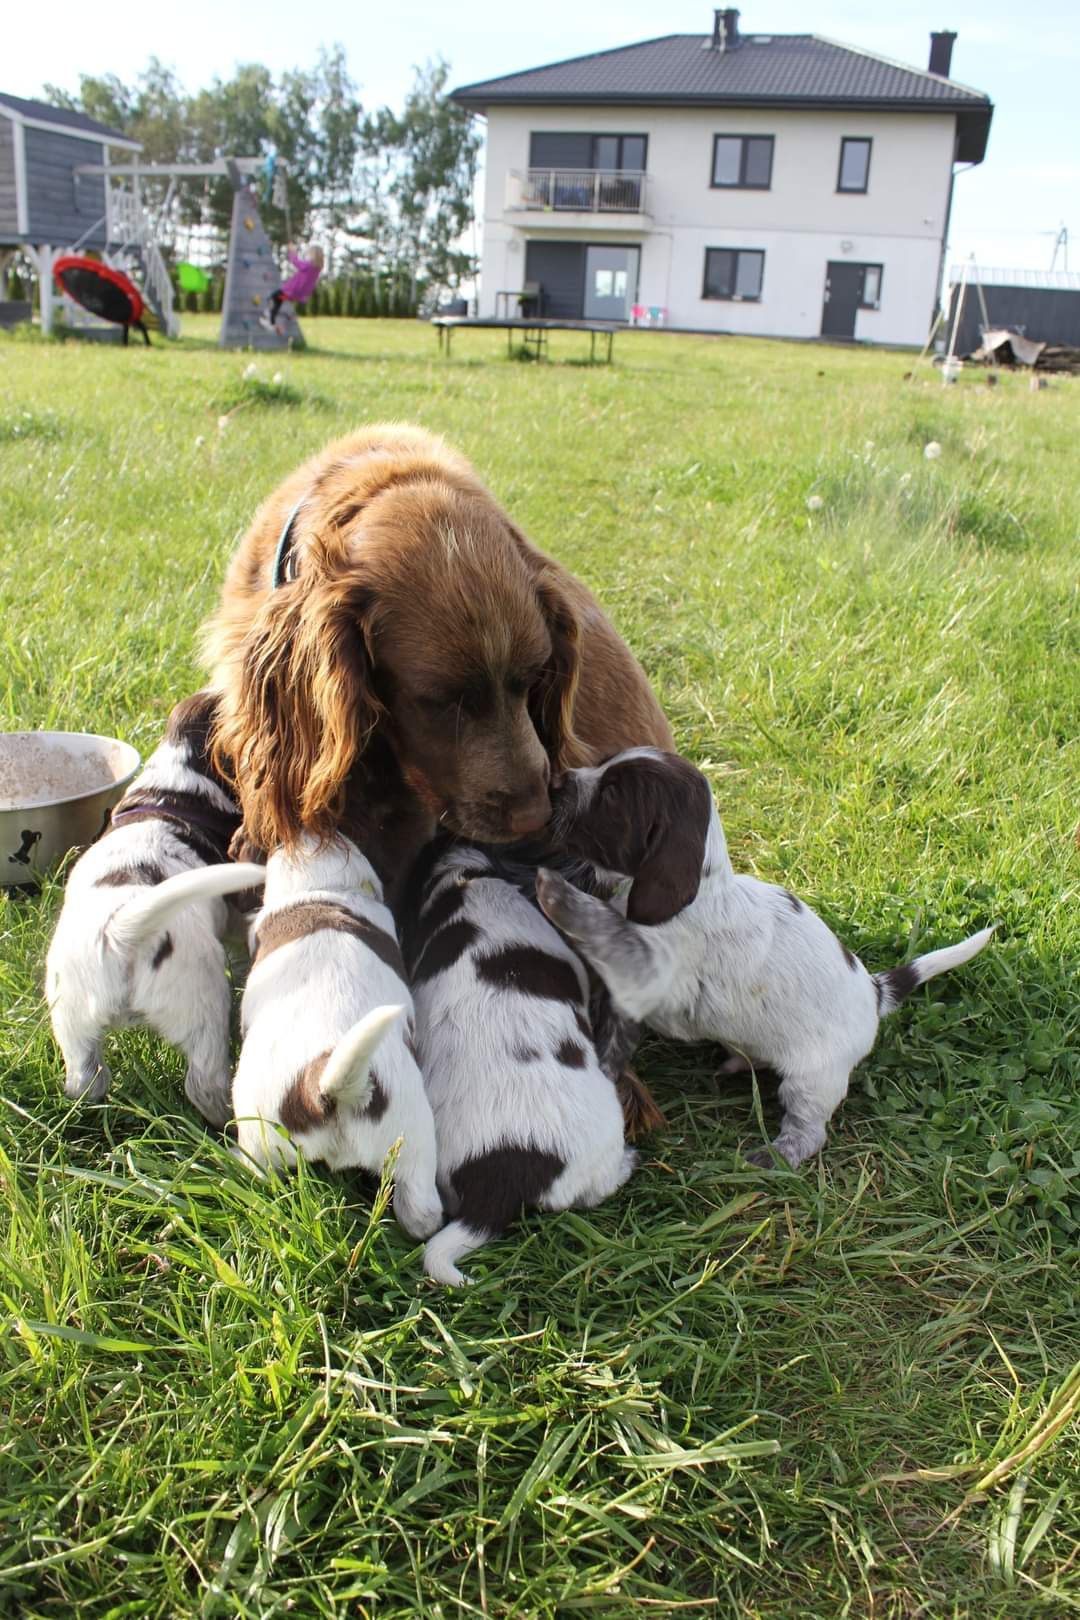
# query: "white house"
{"points": [[779, 184]]}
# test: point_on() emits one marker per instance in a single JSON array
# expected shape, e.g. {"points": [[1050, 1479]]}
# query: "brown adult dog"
{"points": [[424, 664], [419, 617]]}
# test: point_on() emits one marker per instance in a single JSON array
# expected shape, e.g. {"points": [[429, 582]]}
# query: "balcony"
{"points": [[588, 194]]}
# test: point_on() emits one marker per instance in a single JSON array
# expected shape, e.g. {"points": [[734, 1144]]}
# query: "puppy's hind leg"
{"points": [[198, 1023], [206, 1083], [417, 1204], [809, 1100], [583, 1187], [617, 949], [79, 1039]]}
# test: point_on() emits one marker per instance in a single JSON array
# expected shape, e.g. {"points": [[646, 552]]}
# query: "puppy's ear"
{"points": [[677, 802], [302, 707], [551, 702]]}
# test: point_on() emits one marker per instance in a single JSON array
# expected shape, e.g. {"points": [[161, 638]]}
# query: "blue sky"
{"points": [[1025, 56]]}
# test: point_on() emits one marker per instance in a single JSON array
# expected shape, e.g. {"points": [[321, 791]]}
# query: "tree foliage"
{"points": [[418, 175], [391, 194]]}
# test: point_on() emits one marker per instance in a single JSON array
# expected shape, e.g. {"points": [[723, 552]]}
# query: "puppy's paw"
{"points": [[88, 1084], [550, 888], [210, 1095], [560, 902], [420, 1215], [775, 1156]]}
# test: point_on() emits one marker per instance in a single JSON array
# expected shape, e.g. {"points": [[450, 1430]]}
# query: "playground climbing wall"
{"points": [[252, 274]]}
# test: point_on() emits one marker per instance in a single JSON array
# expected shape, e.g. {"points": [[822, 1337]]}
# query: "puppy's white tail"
{"points": [[153, 909], [346, 1079], [446, 1248], [897, 984]]}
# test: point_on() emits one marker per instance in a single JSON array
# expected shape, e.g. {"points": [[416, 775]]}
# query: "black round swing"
{"points": [[105, 292]]}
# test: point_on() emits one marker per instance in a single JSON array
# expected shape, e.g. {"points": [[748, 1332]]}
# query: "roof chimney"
{"points": [[941, 53], [725, 34]]}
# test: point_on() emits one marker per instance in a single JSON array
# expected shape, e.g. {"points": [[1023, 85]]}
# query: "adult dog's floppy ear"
{"points": [[302, 709], [551, 702], [675, 806]]}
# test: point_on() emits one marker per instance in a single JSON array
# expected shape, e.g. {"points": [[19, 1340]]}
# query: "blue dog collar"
{"points": [[286, 566]]}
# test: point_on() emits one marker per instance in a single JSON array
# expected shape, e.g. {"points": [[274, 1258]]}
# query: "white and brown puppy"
{"points": [[139, 938], [705, 954], [524, 1115], [325, 997]]}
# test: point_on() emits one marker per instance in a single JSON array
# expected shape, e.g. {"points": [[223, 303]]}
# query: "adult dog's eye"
{"points": [[435, 703], [474, 701], [522, 681]]}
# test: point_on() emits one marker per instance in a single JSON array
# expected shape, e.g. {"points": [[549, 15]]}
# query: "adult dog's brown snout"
{"points": [[528, 812]]}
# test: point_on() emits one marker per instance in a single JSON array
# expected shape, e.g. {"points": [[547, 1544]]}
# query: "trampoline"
{"points": [[105, 292]]}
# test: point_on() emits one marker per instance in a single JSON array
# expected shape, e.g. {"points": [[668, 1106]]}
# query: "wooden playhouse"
{"points": [[70, 184]]}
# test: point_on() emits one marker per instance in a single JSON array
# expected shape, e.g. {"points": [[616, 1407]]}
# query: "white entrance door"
{"points": [[611, 275]]}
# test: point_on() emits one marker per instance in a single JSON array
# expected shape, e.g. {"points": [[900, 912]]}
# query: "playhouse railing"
{"points": [[132, 229]]}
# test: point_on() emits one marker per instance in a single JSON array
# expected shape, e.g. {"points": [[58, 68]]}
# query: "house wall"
{"points": [[62, 205], [9, 223], [801, 222]]}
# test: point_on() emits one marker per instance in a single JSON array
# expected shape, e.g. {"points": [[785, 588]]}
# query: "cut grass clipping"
{"points": [[849, 1391]]}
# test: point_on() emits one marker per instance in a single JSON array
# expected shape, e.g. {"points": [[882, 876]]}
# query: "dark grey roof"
{"points": [[64, 118], [800, 70]]}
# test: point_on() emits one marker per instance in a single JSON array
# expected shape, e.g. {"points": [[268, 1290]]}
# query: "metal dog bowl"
{"points": [[56, 791]]}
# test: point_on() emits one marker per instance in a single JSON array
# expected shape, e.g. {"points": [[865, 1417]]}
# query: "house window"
{"points": [[734, 273], [871, 287], [854, 164], [609, 284], [743, 162], [622, 152], [565, 149]]}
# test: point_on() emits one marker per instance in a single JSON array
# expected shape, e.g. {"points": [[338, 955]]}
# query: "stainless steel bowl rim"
{"points": [[90, 793]]}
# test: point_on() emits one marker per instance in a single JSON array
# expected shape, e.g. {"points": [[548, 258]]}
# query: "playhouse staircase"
{"points": [[133, 249], [153, 277]]}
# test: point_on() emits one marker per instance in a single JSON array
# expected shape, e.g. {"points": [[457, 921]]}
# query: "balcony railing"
{"points": [[583, 191]]}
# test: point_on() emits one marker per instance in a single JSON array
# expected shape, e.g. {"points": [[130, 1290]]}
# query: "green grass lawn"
{"points": [[726, 1392]]}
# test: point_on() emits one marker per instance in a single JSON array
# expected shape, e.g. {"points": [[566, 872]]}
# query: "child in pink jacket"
{"points": [[299, 287]]}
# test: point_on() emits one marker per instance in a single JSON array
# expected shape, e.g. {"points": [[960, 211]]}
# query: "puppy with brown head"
{"points": [[705, 953], [416, 651], [644, 815]]}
